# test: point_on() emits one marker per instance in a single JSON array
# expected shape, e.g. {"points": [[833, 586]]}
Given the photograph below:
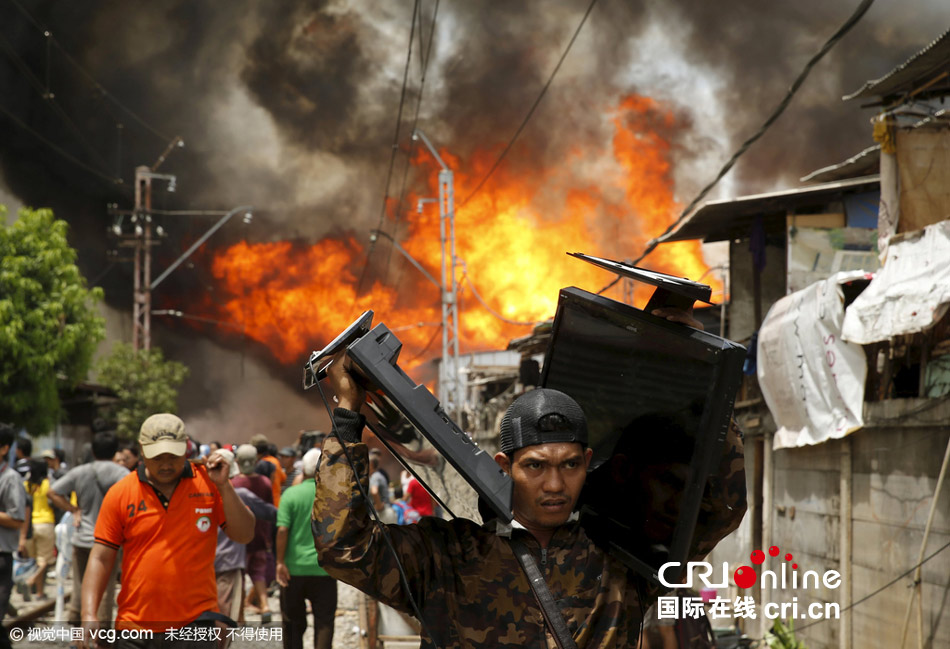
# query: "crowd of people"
{"points": [[197, 535], [141, 512]]}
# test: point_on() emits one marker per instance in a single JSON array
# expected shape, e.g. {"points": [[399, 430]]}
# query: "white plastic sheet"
{"points": [[909, 294], [812, 380]]}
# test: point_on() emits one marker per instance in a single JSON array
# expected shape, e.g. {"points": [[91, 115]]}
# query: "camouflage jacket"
{"points": [[463, 576]]}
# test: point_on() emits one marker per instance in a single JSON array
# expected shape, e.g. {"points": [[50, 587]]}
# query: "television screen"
{"points": [[658, 397]]}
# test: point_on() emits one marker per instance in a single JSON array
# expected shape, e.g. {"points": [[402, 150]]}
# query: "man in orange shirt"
{"points": [[165, 516]]}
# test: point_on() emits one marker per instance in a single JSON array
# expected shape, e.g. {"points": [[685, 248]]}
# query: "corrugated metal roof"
{"points": [[861, 164], [923, 67], [733, 218]]}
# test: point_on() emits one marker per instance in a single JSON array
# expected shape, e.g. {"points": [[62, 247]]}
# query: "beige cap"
{"points": [[246, 458], [163, 433], [229, 458]]}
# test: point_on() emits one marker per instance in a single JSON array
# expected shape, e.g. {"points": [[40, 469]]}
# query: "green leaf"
{"points": [[145, 382], [48, 319]]}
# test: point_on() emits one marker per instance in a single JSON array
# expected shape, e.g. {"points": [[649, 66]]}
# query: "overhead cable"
{"points": [[879, 590], [44, 92], [395, 144], [424, 62], [16, 120], [534, 106], [488, 308], [830, 43], [95, 84]]}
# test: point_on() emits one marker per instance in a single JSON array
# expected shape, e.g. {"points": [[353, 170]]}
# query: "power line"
{"points": [[424, 62], [395, 145], [879, 590], [776, 113], [428, 344], [492, 311], [16, 120], [95, 84], [47, 96], [533, 106]]}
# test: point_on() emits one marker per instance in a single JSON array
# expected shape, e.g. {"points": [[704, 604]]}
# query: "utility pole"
{"points": [[142, 243], [451, 387], [142, 238], [142, 295]]}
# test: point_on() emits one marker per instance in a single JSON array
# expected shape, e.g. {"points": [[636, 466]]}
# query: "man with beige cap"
{"points": [[165, 516]]}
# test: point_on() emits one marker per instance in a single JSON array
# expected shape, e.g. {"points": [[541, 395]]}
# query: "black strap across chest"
{"points": [[552, 616]]}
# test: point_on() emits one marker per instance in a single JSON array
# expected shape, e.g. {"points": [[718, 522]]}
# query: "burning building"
{"points": [[292, 107]]}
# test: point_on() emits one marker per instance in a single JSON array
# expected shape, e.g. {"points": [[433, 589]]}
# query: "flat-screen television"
{"points": [[658, 397]]}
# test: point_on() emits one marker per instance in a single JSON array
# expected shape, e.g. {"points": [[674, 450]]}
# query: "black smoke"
{"points": [[290, 105]]}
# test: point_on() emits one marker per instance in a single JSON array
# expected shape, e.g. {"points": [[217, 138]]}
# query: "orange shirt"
{"points": [[168, 554], [277, 477]]}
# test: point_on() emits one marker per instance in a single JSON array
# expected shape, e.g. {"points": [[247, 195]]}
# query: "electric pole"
{"points": [[141, 243], [142, 296], [451, 386], [141, 239]]}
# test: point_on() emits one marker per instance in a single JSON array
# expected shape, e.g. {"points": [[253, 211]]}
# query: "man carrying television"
{"points": [[465, 577]]}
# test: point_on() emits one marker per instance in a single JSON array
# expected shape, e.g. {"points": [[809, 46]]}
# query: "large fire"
{"points": [[511, 238]]}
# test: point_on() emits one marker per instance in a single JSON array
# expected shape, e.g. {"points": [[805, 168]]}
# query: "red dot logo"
{"points": [[788, 557], [794, 566], [773, 551], [758, 557], [744, 576]]}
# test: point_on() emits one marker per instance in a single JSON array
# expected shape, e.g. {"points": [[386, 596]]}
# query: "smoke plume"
{"points": [[291, 105]]}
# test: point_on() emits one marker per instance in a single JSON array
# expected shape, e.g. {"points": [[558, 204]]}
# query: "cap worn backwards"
{"points": [[542, 416]]}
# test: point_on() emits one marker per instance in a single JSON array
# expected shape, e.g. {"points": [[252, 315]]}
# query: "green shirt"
{"points": [[294, 514]]}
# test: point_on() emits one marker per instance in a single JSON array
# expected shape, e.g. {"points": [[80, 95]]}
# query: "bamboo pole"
{"points": [[918, 591]]}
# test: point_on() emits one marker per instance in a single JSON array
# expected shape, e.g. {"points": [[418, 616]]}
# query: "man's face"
{"points": [[286, 461], [165, 469], [547, 482], [664, 485], [129, 459]]}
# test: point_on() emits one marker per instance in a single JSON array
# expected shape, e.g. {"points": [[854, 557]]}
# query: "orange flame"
{"points": [[511, 239]]}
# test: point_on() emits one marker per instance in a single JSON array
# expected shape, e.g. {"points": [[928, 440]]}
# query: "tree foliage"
{"points": [[145, 382], [49, 326]]}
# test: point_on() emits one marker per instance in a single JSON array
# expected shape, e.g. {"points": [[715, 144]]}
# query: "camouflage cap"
{"points": [[542, 416], [163, 433]]}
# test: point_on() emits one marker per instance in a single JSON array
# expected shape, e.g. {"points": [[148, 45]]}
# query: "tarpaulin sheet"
{"points": [[812, 380], [909, 294]]}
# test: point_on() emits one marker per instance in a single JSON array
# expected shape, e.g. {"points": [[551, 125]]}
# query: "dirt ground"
{"points": [[37, 628]]}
